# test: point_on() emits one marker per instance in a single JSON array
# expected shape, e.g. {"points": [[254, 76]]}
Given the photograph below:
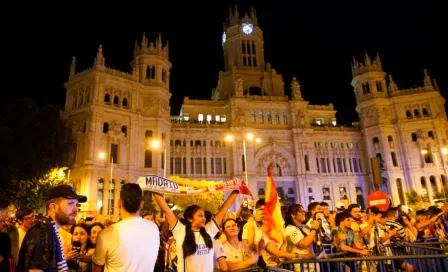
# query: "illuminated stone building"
{"points": [[116, 116]]}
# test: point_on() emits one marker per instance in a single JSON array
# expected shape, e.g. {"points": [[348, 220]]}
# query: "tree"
{"points": [[413, 197], [35, 141], [209, 202], [31, 193], [415, 200]]}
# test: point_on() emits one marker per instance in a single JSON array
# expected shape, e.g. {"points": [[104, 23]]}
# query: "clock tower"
{"points": [[245, 71], [243, 42]]}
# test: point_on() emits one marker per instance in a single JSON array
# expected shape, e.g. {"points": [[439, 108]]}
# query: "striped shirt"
{"points": [[391, 224]]}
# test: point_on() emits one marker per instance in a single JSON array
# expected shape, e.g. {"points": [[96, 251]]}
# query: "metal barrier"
{"points": [[249, 269], [422, 256], [432, 263]]}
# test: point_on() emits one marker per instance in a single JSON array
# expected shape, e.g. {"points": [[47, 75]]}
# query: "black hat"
{"points": [[65, 191]]}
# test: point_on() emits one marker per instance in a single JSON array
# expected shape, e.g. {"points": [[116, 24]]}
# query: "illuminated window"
{"points": [[200, 117]]}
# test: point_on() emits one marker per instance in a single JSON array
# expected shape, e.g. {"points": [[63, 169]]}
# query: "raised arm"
{"points": [[170, 217], [220, 215]]}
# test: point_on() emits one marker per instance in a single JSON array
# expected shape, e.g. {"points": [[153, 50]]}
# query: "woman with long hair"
{"points": [[193, 236], [83, 261]]}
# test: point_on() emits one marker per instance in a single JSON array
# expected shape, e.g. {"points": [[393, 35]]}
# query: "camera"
{"points": [[76, 245]]}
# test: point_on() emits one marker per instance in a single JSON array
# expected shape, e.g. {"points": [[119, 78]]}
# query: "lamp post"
{"points": [[156, 145], [250, 137], [103, 156]]}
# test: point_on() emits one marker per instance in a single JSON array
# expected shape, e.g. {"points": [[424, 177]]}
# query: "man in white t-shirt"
{"points": [[133, 243]]}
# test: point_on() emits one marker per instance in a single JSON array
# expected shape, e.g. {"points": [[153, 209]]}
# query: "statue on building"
{"points": [[295, 89]]}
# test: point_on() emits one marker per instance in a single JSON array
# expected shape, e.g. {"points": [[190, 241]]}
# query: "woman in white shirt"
{"points": [[193, 236], [238, 254]]}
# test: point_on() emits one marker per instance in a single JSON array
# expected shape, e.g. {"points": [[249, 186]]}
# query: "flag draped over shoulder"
{"points": [[272, 210]]}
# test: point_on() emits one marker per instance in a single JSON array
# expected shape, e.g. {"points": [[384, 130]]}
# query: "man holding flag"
{"points": [[270, 237]]}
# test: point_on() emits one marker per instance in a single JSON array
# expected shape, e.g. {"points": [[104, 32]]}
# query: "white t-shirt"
{"points": [[293, 236], [235, 255], [129, 245], [219, 253], [203, 259]]}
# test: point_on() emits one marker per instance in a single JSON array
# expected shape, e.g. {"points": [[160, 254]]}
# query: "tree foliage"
{"points": [[30, 193], [209, 202], [36, 140], [413, 197]]}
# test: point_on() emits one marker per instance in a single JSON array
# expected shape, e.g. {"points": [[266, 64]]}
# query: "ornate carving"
{"points": [[238, 85], [148, 104], [275, 158], [301, 119], [115, 127], [240, 119], [164, 106]]}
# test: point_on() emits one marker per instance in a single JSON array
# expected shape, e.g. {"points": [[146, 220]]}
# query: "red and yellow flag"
{"points": [[272, 210]]}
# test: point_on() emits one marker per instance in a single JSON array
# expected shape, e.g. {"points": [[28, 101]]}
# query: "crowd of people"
{"points": [[197, 240]]}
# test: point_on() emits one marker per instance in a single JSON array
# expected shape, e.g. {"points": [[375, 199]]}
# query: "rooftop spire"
{"points": [[367, 66], [153, 48], [253, 15], [99, 59], [426, 78], [392, 85], [234, 17], [73, 66]]}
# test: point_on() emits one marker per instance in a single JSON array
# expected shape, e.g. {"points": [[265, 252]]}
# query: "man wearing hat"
{"points": [[41, 249]]}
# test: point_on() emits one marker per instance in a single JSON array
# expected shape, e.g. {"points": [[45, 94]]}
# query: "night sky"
{"points": [[313, 41]]}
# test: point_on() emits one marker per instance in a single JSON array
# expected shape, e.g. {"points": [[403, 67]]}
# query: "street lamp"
{"points": [[156, 145], [102, 155], [250, 137]]}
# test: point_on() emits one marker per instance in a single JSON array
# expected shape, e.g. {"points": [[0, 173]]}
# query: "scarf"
{"points": [[60, 257]]}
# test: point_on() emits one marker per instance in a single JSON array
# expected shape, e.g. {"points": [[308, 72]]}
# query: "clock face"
{"points": [[248, 28], [223, 38]]}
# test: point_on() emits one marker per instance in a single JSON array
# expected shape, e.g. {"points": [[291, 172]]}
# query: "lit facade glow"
{"points": [[313, 157]]}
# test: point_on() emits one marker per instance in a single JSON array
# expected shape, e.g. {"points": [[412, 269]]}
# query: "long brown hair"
{"points": [[189, 244]]}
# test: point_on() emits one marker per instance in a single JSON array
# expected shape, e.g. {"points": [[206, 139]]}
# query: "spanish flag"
{"points": [[272, 211]]}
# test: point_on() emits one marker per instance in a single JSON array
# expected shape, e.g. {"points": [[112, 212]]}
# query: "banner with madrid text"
{"points": [[182, 186], [272, 210]]}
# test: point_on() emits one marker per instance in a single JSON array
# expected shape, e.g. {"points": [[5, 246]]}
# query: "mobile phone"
{"points": [[76, 245], [246, 203]]}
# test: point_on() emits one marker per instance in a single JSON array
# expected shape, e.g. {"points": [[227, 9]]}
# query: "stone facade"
{"points": [[115, 117]]}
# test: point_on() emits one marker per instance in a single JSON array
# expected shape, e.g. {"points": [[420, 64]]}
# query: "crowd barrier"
{"points": [[419, 256]]}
